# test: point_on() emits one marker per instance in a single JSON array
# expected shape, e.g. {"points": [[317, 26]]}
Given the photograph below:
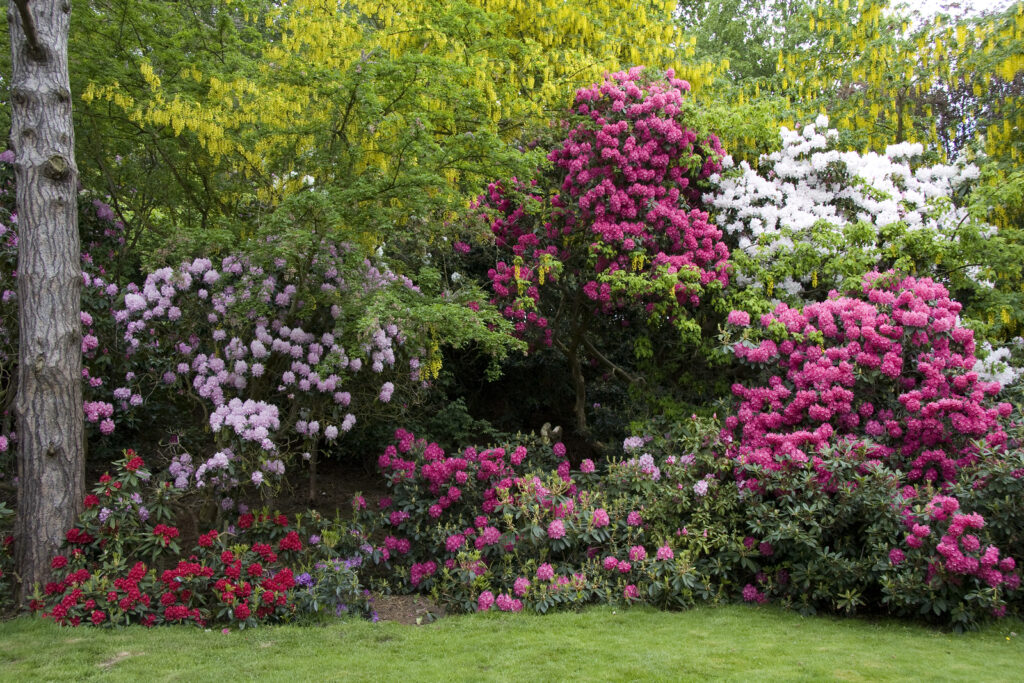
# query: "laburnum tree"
{"points": [[612, 234], [51, 455], [886, 76]]}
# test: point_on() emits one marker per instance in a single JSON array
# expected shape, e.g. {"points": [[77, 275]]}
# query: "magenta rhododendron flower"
{"points": [[545, 572], [556, 529], [600, 518], [665, 553], [739, 318]]}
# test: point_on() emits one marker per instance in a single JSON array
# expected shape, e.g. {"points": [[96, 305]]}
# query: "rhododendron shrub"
{"points": [[811, 218], [890, 370], [670, 522], [518, 527], [284, 357], [122, 566], [104, 263], [614, 233]]}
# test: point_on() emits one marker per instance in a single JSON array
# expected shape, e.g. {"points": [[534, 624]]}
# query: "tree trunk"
{"points": [[579, 384], [49, 399]]}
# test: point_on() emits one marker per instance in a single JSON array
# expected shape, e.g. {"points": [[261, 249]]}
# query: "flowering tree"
{"points": [[613, 235]]}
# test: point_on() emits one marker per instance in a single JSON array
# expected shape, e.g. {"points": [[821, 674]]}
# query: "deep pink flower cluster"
{"points": [[960, 549], [625, 202], [891, 371]]}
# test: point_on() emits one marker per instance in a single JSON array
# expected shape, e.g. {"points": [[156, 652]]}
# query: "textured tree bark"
{"points": [[49, 399]]}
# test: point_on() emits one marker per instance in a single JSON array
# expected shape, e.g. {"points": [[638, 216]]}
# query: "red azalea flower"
{"points": [[98, 617], [242, 611], [281, 520], [59, 562], [105, 478], [133, 464], [246, 520], [92, 500]]}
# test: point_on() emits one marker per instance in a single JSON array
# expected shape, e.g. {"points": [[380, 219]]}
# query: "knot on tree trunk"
{"points": [[56, 168]]}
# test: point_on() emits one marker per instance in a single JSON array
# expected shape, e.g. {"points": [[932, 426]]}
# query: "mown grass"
{"points": [[600, 644]]}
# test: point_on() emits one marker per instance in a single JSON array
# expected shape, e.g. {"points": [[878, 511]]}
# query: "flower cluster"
{"points": [[621, 221], [811, 217], [257, 570], [892, 371], [278, 365]]}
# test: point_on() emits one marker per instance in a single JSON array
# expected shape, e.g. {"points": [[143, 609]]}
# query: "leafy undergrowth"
{"points": [[599, 644]]}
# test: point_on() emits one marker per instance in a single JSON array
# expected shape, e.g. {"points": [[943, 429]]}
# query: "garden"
{"points": [[398, 313]]}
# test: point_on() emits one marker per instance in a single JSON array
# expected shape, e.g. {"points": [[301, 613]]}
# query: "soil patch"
{"points": [[412, 610]]}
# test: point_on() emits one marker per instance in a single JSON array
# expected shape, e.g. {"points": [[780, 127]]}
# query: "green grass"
{"points": [[600, 644]]}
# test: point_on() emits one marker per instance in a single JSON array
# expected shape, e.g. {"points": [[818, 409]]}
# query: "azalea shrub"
{"points": [[6, 554], [281, 351], [125, 563]]}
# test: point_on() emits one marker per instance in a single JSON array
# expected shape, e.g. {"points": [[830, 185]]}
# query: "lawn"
{"points": [[603, 644]]}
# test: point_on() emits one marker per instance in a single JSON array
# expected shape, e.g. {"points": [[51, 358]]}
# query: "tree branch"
{"points": [[616, 370], [28, 26]]}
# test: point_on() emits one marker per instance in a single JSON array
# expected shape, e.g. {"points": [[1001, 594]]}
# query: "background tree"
{"points": [[49, 399]]}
